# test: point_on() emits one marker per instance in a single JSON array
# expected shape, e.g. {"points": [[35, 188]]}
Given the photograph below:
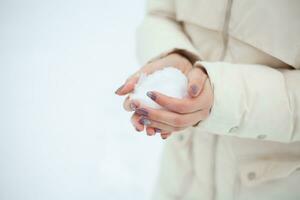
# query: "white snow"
{"points": [[169, 81]]}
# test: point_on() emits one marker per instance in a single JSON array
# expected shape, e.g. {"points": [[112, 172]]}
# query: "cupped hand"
{"points": [[178, 113]]}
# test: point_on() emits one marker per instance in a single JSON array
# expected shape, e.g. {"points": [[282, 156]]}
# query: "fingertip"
{"points": [[196, 79], [165, 135], [150, 131], [151, 95], [127, 87], [138, 130], [118, 91], [135, 122]]}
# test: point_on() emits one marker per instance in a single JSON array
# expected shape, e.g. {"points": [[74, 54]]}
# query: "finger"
{"points": [[130, 105], [126, 104], [151, 123], [185, 105], [162, 132], [165, 136], [157, 130], [135, 122], [206, 96], [196, 79], [162, 116], [182, 106], [128, 86], [150, 131], [171, 118]]}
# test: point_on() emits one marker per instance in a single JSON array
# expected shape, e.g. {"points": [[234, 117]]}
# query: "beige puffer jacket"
{"points": [[249, 147]]}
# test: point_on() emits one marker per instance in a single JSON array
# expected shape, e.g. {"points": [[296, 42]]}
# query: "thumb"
{"points": [[196, 78], [128, 86]]}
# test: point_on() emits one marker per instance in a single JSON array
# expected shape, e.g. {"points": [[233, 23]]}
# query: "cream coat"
{"points": [[249, 147]]}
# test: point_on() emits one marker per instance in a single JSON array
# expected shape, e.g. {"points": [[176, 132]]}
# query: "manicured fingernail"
{"points": [[144, 121], [157, 130], [152, 95], [133, 106], [194, 89], [119, 89], [141, 111]]}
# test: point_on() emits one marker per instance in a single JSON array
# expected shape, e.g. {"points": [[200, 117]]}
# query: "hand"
{"points": [[179, 113]]}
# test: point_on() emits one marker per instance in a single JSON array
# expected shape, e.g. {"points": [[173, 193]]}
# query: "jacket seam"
{"points": [[225, 34]]}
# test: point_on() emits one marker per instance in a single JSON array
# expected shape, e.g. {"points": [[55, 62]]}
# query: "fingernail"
{"points": [[152, 95], [119, 89], [141, 111], [144, 121], [133, 106], [194, 89], [157, 130]]}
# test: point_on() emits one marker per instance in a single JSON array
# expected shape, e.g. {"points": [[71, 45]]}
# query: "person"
{"points": [[237, 135]]}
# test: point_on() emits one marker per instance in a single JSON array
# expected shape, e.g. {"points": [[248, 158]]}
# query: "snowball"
{"points": [[168, 81]]}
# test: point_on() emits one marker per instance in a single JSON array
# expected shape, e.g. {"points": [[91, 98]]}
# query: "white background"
{"points": [[63, 133]]}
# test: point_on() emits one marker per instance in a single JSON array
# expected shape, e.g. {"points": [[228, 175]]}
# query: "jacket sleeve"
{"points": [[254, 101], [161, 34]]}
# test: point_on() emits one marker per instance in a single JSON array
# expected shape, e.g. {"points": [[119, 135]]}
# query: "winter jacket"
{"points": [[249, 146]]}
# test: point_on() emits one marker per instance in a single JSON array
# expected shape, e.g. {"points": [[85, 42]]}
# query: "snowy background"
{"points": [[63, 133]]}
